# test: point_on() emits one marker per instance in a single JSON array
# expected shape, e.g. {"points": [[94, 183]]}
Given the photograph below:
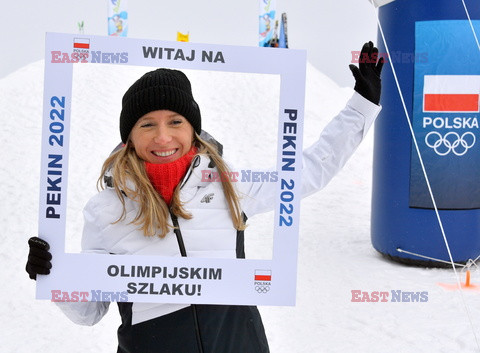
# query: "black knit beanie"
{"points": [[157, 90]]}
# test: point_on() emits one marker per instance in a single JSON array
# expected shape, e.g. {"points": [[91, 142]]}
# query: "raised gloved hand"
{"points": [[367, 76], [38, 258]]}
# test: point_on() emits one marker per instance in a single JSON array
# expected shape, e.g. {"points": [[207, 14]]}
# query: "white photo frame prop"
{"points": [[94, 277]]}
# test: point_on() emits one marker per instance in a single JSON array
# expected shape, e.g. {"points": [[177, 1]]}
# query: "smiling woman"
{"points": [[161, 200], [160, 124]]}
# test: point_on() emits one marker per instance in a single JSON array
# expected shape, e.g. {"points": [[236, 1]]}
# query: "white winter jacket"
{"points": [[210, 233]]}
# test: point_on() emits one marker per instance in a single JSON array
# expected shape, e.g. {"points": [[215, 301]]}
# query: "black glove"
{"points": [[38, 258], [367, 78]]}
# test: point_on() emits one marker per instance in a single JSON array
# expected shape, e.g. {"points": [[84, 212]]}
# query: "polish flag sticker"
{"points": [[451, 93], [263, 275], [81, 43]]}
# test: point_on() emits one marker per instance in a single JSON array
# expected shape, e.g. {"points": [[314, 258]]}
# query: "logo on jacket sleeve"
{"points": [[207, 198]]}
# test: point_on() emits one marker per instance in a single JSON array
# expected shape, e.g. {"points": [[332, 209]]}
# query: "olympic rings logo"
{"points": [[262, 289], [451, 142]]}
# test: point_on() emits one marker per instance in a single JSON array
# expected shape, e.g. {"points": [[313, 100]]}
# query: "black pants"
{"points": [[222, 329]]}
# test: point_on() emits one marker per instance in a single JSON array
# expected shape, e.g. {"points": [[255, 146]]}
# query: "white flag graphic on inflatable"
{"points": [[266, 22], [117, 18]]}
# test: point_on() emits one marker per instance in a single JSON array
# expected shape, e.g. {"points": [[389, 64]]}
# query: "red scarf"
{"points": [[165, 177]]}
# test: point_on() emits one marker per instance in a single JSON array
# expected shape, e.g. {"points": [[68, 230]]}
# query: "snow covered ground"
{"points": [[335, 253]]}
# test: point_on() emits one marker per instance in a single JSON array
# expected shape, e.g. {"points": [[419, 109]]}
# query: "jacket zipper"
{"points": [[183, 252]]}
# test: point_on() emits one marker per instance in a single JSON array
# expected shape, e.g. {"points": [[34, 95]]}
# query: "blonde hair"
{"points": [[153, 212]]}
